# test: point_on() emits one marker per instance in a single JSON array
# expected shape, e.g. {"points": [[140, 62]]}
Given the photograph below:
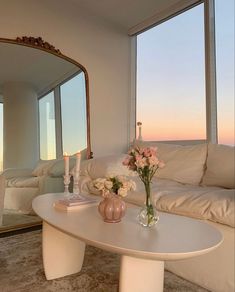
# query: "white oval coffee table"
{"points": [[143, 250]]}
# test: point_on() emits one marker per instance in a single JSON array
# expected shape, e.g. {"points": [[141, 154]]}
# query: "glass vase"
{"points": [[148, 215]]}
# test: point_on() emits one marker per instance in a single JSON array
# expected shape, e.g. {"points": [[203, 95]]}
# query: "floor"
{"points": [[21, 270]]}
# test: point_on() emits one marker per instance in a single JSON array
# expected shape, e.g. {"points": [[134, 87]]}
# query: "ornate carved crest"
{"points": [[38, 42]]}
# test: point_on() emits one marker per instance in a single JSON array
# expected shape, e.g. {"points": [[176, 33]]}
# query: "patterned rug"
{"points": [[21, 270]]}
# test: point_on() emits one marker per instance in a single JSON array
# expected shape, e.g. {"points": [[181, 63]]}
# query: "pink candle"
{"points": [[78, 161], [66, 164]]}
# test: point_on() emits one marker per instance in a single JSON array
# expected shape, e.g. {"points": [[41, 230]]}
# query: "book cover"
{"points": [[74, 203]]}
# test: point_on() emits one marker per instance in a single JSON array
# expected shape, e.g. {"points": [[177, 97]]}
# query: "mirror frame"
{"points": [[40, 44]]}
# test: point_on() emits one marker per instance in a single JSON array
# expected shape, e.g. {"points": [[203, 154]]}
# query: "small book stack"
{"points": [[74, 203]]}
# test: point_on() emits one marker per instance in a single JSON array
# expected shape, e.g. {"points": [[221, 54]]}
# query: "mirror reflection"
{"points": [[43, 113]]}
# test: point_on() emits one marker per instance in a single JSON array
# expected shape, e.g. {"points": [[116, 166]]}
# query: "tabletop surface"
{"points": [[174, 237]]}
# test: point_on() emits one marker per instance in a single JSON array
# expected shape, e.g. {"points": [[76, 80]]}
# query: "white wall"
{"points": [[103, 50], [20, 133]]}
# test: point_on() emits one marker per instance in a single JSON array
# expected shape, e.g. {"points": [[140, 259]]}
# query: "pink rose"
{"points": [[153, 151], [126, 161], [141, 163], [147, 152], [153, 160], [138, 157]]}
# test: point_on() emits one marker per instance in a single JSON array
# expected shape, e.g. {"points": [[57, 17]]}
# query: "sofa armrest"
{"points": [[16, 172]]}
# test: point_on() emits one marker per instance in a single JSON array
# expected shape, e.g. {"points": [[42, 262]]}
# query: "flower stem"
{"points": [[149, 207], [147, 190]]}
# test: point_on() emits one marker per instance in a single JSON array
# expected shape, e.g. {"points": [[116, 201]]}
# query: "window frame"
{"points": [[39, 138], [210, 68]]}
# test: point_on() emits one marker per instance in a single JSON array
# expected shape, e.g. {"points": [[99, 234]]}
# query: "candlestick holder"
{"points": [[66, 184], [76, 190]]}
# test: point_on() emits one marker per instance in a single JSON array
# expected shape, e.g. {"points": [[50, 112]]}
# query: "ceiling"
{"points": [[125, 13], [39, 68]]}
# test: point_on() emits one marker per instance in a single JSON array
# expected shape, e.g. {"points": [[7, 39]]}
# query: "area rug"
{"points": [[21, 270]]}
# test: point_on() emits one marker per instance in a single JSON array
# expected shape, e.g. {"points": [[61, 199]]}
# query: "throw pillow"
{"points": [[220, 169], [104, 166], [43, 167], [184, 164]]}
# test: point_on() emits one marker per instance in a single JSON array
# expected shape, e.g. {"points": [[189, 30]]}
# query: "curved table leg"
{"points": [[62, 254], [141, 275]]}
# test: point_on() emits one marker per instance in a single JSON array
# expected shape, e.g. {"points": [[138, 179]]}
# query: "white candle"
{"points": [[66, 164], [78, 160]]}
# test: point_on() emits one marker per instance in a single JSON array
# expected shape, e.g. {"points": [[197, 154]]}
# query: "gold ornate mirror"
{"points": [[44, 111]]}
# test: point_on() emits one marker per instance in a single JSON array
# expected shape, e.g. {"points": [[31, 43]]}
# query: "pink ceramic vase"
{"points": [[112, 208]]}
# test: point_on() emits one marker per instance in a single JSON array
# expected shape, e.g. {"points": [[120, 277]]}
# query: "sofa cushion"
{"points": [[184, 164], [43, 167], [14, 172], [211, 203], [216, 205], [23, 182], [104, 166], [220, 166]]}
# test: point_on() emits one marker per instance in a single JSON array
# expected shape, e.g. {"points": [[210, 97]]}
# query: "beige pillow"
{"points": [[104, 166], [220, 166], [184, 164], [43, 167], [57, 168]]}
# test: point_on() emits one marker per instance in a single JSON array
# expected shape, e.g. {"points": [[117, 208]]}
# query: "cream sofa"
{"points": [[21, 186], [197, 181]]}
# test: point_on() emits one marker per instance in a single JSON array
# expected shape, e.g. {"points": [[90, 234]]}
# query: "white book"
{"points": [[74, 203]]}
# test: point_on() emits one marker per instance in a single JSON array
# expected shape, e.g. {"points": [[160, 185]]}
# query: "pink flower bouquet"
{"points": [[145, 162]]}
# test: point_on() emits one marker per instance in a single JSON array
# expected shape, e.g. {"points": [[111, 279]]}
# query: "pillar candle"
{"points": [[66, 164], [78, 160]]}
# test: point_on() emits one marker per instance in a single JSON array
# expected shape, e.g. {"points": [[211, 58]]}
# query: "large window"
{"points": [[224, 24], [47, 127], [171, 100], [73, 113], [171, 78], [1, 136]]}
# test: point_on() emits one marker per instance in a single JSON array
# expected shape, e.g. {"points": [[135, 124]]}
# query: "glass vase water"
{"points": [[148, 215]]}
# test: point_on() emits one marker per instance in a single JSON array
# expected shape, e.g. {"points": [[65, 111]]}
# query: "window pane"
{"points": [[1, 136], [171, 78], [47, 127], [73, 112], [224, 22]]}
